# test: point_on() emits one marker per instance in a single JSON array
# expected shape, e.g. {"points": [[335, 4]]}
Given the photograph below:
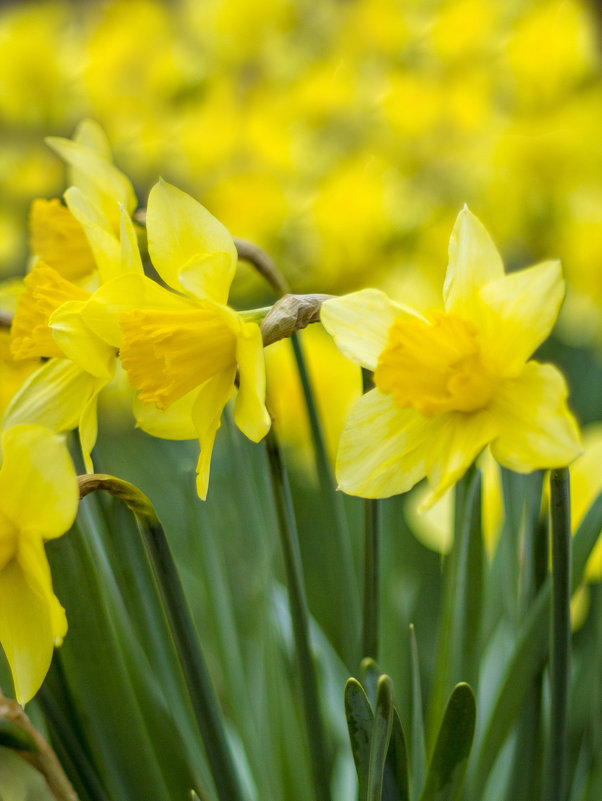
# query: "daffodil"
{"points": [[62, 394], [183, 352], [38, 502], [449, 383]]}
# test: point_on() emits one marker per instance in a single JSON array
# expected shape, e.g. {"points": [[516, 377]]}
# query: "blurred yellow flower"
{"points": [[182, 351], [38, 501], [451, 383]]}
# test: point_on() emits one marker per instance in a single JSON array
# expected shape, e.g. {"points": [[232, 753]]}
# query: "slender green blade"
{"points": [[529, 655], [381, 736], [360, 721], [418, 749], [560, 651], [396, 784], [454, 742]]}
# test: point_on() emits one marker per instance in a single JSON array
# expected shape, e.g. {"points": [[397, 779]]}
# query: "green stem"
{"points": [[300, 618], [561, 630], [370, 631], [336, 523], [190, 655]]}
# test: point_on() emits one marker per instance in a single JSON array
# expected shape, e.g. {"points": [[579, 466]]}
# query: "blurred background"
{"points": [[342, 137]]}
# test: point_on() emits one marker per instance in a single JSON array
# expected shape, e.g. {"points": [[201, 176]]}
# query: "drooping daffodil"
{"points": [[451, 382], [38, 502], [184, 350]]}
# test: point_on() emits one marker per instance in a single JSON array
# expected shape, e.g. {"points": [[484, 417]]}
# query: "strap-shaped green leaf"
{"points": [[396, 785], [381, 736], [452, 749], [360, 720]]}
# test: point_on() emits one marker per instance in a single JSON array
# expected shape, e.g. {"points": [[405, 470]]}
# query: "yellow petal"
{"points": [[457, 440], [38, 485], [52, 396], [524, 307], [45, 291], [473, 262], [129, 291], [79, 343], [537, 430], [89, 134], [32, 620], [206, 413], [58, 239], [101, 236], [382, 450], [359, 323], [250, 413], [183, 234], [88, 429], [172, 423], [131, 262], [101, 181]]}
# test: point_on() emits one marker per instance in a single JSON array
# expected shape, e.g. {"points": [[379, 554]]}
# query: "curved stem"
{"points": [[247, 251]]}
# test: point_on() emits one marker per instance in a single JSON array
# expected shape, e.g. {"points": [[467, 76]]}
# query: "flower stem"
{"points": [[335, 522], [194, 669], [561, 630], [370, 629], [300, 618]]}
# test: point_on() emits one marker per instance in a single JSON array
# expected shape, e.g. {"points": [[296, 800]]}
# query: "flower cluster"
{"points": [[447, 383]]}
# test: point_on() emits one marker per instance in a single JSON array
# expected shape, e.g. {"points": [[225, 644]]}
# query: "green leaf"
{"points": [[418, 749], [396, 786], [13, 736], [381, 736], [452, 749], [371, 673], [360, 720], [529, 654]]}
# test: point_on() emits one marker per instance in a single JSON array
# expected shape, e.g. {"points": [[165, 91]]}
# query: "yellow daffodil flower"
{"points": [[38, 501], [183, 351], [452, 382], [63, 393]]}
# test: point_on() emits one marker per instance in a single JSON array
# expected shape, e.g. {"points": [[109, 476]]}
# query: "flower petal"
{"points": [[537, 430], [98, 178], [38, 485], [473, 262], [53, 396], [524, 306], [131, 290], [103, 242], [359, 323], [131, 261], [250, 413], [183, 234], [175, 422], [382, 448], [79, 343], [206, 413], [458, 438], [32, 619], [88, 429]]}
